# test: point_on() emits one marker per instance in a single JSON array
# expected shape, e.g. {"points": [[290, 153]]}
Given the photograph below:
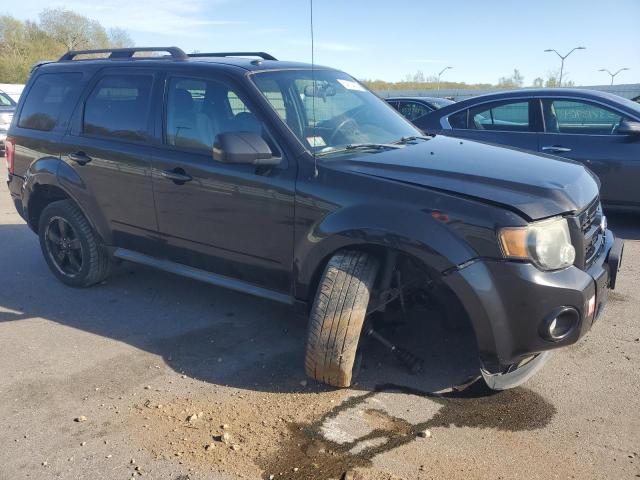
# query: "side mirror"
{"points": [[243, 147], [629, 127]]}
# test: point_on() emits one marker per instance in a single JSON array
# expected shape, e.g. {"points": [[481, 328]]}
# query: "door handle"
{"points": [[80, 158], [177, 175], [556, 149]]}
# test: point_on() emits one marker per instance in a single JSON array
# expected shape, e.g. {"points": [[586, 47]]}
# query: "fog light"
{"points": [[559, 324]]}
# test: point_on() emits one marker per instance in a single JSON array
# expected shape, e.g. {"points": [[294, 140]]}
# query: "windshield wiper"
{"points": [[362, 146], [412, 138], [373, 146]]}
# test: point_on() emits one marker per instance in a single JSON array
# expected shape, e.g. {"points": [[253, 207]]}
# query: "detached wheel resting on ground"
{"points": [[337, 317], [70, 247]]}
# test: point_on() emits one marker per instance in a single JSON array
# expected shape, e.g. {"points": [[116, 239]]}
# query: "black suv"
{"points": [[295, 183]]}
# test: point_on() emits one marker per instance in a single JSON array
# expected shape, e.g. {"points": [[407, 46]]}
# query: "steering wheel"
{"points": [[340, 126]]}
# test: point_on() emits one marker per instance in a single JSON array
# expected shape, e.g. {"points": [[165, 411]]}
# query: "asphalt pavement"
{"points": [[152, 375]]}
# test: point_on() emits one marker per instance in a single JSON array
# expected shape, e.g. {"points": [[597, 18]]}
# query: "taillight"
{"points": [[10, 154]]}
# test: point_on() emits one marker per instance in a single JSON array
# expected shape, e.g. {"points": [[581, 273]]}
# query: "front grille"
{"points": [[587, 235]]}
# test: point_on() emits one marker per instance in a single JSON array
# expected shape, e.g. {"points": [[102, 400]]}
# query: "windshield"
{"points": [[334, 114], [6, 101], [440, 102]]}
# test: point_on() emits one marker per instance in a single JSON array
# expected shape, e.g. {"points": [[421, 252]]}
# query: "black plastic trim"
{"points": [[202, 275]]}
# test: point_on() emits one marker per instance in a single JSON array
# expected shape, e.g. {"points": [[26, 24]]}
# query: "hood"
{"points": [[536, 185]]}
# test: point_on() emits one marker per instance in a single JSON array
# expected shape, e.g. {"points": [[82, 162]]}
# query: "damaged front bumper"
{"points": [[510, 304]]}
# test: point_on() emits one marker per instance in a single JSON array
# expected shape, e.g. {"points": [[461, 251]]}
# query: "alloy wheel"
{"points": [[64, 246]]}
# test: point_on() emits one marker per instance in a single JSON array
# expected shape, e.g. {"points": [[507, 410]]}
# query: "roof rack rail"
{"points": [[121, 53], [40, 63], [263, 55]]}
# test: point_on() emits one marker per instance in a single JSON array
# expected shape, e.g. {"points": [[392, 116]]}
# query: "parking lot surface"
{"points": [[155, 376]]}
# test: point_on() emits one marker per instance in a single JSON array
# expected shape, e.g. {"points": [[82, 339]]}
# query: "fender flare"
{"points": [[414, 232], [52, 171]]}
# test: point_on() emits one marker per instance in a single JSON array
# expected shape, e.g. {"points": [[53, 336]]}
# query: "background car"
{"points": [[7, 107], [415, 107], [599, 129]]}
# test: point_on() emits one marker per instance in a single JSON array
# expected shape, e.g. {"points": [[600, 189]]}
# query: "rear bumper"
{"points": [[507, 303], [14, 183]]}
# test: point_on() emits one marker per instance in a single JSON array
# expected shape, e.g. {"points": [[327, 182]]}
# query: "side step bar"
{"points": [[202, 275]]}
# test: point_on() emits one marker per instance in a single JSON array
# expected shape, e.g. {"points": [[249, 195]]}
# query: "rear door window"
{"points": [[118, 107], [509, 116], [50, 96]]}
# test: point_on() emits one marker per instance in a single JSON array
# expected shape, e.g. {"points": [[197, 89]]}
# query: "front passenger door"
{"points": [[234, 220]]}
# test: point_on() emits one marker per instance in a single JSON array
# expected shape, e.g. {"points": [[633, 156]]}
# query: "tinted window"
{"points": [[48, 97], [459, 120], [563, 116], [198, 110], [412, 110], [512, 116], [118, 107]]}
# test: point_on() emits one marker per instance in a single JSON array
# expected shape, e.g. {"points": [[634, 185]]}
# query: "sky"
{"points": [[374, 39]]}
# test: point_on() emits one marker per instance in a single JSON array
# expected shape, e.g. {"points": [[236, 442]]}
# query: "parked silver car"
{"points": [[7, 108]]}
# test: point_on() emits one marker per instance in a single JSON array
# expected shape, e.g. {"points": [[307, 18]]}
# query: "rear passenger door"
{"points": [[505, 122], [234, 220], [107, 149]]}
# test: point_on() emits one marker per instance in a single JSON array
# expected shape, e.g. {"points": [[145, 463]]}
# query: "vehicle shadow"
{"points": [[210, 333], [624, 224]]}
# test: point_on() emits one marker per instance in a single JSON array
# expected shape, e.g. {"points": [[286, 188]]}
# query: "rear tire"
{"points": [[70, 247], [337, 317]]}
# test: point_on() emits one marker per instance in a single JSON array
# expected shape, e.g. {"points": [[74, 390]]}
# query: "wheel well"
{"points": [[425, 283], [42, 196]]}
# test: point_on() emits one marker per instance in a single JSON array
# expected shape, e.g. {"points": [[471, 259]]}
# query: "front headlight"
{"points": [[546, 243]]}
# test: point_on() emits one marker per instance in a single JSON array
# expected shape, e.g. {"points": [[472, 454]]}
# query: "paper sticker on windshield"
{"points": [[349, 85], [316, 141]]}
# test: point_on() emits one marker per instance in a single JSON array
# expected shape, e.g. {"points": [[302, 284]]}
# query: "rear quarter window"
{"points": [[50, 95], [458, 120]]}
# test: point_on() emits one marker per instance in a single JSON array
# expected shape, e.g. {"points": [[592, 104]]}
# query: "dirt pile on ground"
{"points": [[236, 433]]}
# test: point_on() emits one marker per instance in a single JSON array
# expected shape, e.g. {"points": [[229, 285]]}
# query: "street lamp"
{"points": [[613, 74], [440, 74], [563, 57]]}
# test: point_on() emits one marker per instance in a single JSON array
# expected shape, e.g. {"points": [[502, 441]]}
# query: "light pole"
{"points": [[563, 57], [613, 75], [440, 74]]}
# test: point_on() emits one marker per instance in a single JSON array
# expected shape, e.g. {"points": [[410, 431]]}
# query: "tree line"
{"points": [[418, 81], [57, 30]]}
